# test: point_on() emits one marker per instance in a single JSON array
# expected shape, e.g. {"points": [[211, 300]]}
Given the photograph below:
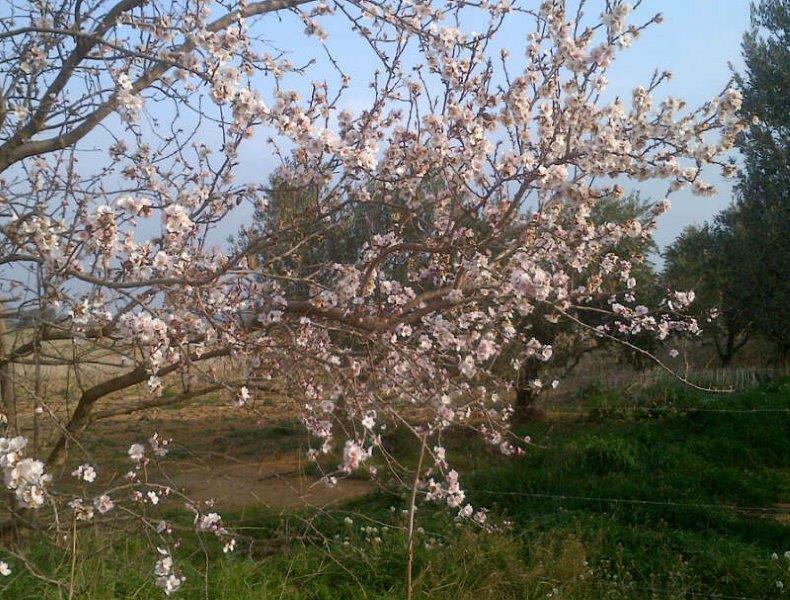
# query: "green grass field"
{"points": [[661, 494]]}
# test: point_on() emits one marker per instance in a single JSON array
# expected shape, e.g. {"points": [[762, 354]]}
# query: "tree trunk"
{"points": [[728, 351], [783, 357], [7, 395], [80, 418], [525, 409]]}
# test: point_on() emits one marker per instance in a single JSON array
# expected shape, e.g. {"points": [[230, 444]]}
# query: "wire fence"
{"points": [[776, 510], [720, 378], [671, 409]]}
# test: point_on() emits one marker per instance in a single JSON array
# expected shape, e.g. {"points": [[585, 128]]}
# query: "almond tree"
{"points": [[123, 127]]}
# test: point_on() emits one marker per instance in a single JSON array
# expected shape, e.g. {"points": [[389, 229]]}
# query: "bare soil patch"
{"points": [[220, 453], [269, 484]]}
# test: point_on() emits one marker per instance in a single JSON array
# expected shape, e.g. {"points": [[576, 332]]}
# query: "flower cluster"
{"points": [[166, 577], [130, 103], [25, 477], [85, 473]]}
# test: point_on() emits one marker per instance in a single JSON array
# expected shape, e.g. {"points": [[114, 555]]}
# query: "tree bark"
{"points": [[81, 417], [525, 395], [7, 394]]}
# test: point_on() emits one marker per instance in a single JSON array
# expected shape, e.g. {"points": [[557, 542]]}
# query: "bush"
{"points": [[602, 455]]}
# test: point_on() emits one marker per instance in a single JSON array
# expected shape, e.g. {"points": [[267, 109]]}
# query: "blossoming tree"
{"points": [[122, 130]]}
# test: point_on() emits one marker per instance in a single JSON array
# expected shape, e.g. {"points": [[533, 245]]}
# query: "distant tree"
{"points": [[288, 215], [761, 216], [738, 264], [569, 341], [710, 261], [309, 243]]}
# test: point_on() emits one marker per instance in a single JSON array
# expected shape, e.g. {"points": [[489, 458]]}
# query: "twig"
{"points": [[412, 509]]}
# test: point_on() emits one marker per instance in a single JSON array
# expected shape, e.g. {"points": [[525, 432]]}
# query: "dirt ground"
{"points": [[223, 454], [270, 484], [237, 457]]}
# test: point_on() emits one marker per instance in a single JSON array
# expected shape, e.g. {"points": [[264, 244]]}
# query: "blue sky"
{"points": [[697, 42]]}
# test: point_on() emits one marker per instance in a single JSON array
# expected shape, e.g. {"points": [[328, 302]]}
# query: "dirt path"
{"points": [[219, 454], [273, 484]]}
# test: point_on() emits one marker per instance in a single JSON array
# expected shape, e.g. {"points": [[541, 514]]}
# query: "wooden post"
{"points": [[7, 395]]}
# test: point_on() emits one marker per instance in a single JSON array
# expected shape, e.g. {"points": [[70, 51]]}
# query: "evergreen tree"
{"points": [[760, 218]]}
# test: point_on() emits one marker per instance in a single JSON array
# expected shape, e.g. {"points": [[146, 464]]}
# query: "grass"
{"points": [[279, 437], [642, 495]]}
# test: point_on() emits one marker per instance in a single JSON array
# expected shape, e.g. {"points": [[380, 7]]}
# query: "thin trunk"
{"points": [[727, 351], [525, 393], [412, 510], [8, 397], [80, 418], [37, 400], [7, 394], [82, 413]]}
